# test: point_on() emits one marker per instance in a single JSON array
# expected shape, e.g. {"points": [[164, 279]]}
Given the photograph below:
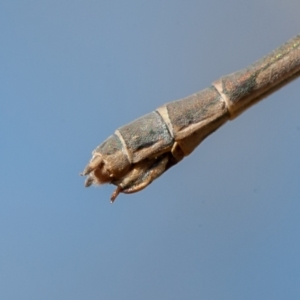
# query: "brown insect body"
{"points": [[141, 151]]}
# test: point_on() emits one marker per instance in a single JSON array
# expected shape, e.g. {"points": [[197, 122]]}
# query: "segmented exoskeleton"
{"points": [[141, 151]]}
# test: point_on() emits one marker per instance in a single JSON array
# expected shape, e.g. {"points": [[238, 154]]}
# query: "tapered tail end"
{"points": [[115, 194]]}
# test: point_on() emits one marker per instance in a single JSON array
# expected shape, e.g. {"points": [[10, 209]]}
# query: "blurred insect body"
{"points": [[141, 151]]}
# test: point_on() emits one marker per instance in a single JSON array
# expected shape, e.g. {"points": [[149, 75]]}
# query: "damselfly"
{"points": [[141, 151]]}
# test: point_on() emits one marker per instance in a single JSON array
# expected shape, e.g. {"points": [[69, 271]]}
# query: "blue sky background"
{"points": [[223, 224]]}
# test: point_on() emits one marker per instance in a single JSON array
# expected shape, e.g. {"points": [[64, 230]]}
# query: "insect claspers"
{"points": [[141, 151]]}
